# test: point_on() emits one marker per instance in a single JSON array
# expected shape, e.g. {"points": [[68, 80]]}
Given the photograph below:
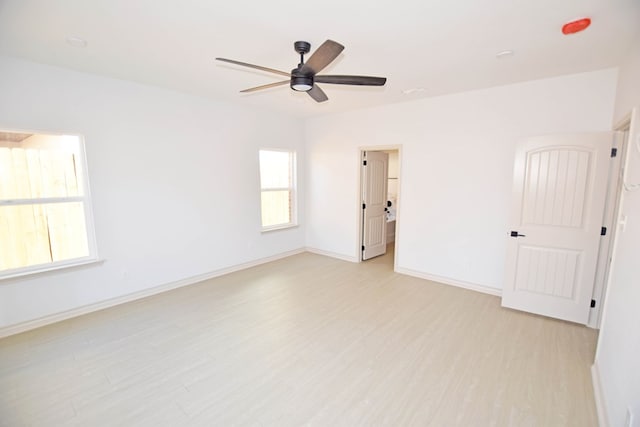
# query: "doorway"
{"points": [[379, 200]]}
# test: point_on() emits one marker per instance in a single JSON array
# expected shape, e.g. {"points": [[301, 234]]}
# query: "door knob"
{"points": [[516, 234]]}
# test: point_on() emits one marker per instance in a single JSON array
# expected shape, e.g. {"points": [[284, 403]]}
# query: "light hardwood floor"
{"points": [[306, 340]]}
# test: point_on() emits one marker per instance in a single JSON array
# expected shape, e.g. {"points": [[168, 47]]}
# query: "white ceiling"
{"points": [[443, 46]]}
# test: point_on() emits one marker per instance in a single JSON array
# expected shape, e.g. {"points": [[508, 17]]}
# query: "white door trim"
{"points": [[609, 220], [630, 123]]}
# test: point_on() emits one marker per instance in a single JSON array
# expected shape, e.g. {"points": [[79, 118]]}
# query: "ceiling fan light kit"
{"points": [[303, 78], [301, 82]]}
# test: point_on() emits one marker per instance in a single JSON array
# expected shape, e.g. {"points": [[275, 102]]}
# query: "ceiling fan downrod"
{"points": [[302, 48]]}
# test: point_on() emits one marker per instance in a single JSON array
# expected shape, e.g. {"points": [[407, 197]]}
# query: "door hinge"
{"points": [[593, 303], [364, 163], [614, 152], [603, 231], [364, 206], [362, 247]]}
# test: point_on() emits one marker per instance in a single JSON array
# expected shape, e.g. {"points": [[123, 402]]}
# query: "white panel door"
{"points": [[374, 203], [560, 184]]}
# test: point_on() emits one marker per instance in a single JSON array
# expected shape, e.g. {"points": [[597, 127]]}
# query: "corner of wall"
{"points": [[601, 408]]}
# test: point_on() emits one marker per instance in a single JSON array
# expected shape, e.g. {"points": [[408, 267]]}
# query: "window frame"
{"points": [[85, 199], [292, 188]]}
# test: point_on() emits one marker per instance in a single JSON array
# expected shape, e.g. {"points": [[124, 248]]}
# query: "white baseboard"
{"points": [[603, 418], [54, 318], [452, 282], [332, 254]]}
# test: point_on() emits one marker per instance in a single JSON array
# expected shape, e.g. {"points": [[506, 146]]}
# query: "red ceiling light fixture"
{"points": [[576, 26]]}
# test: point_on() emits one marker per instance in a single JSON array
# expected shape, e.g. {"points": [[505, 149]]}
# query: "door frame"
{"points": [[360, 182], [611, 219]]}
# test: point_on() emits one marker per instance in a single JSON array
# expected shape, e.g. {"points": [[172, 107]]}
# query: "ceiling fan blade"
{"points": [[352, 80], [323, 56], [317, 94], [267, 86], [257, 67]]}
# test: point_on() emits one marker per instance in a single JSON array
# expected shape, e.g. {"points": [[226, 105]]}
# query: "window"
{"points": [[277, 183], [45, 216]]}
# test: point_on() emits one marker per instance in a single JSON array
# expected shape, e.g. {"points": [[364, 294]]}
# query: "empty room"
{"points": [[441, 231]]}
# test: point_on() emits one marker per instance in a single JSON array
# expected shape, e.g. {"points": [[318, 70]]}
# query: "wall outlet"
{"points": [[628, 422]]}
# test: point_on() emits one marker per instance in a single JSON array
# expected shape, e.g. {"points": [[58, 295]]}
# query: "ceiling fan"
{"points": [[304, 77]]}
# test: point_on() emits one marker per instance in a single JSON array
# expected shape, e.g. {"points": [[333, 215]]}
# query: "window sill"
{"points": [[279, 227], [36, 271]]}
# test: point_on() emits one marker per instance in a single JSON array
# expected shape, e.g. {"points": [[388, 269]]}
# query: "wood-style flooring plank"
{"points": [[306, 340]]}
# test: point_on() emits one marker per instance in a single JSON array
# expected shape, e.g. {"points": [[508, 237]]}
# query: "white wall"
{"points": [[628, 92], [618, 354], [456, 169], [174, 180]]}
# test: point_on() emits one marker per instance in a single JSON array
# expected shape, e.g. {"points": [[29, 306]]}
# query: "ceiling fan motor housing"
{"points": [[302, 82]]}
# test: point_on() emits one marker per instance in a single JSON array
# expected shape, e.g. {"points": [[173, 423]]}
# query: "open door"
{"points": [[560, 185], [374, 203]]}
